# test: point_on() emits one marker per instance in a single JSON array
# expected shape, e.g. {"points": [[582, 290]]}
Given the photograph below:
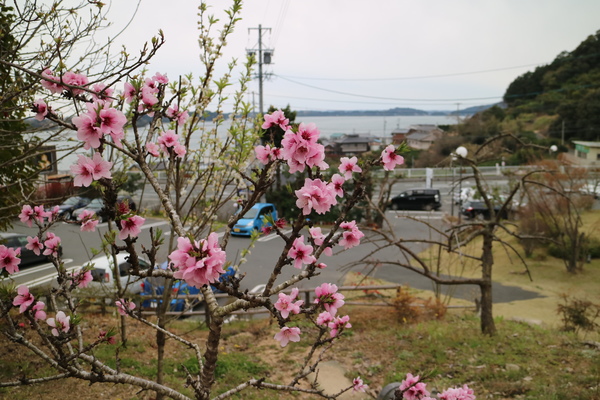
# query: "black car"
{"points": [[417, 199], [71, 204], [19, 241], [478, 209]]}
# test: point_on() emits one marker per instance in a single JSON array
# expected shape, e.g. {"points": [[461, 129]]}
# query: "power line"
{"points": [[385, 98]]}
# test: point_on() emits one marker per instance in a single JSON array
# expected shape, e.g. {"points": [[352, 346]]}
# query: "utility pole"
{"points": [[264, 57]]}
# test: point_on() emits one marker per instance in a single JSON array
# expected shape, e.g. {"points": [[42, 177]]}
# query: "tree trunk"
{"points": [[488, 326]]}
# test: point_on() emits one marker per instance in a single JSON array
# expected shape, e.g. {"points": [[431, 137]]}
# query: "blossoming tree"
{"points": [[106, 125]]}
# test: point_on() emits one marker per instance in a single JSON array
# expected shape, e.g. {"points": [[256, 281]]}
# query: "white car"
{"points": [[102, 274]]}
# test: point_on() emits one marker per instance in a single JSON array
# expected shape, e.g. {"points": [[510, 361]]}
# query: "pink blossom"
{"points": [[53, 213], [102, 93], [286, 303], [160, 78], [33, 244], [286, 335], [174, 114], [463, 393], [168, 139], [131, 227], [24, 299], [338, 324], [51, 86], [52, 245], [41, 109], [412, 388], [153, 149], [112, 122], [351, 235], [83, 170], [319, 238], [315, 194], [88, 220], [123, 306], [73, 79], [301, 253], [301, 148], [327, 296], [198, 263], [87, 130], [266, 154], [348, 166], [83, 278], [277, 118], [38, 309], [9, 259], [358, 385], [324, 318], [337, 183], [129, 92], [60, 324], [148, 96], [26, 215], [390, 159], [179, 150], [101, 167]]}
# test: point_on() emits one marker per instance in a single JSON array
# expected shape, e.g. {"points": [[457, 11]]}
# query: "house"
{"points": [[421, 137], [356, 144], [586, 153], [399, 135]]}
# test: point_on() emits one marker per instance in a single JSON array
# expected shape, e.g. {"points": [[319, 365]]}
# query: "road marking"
{"points": [[47, 278], [38, 268], [272, 236]]}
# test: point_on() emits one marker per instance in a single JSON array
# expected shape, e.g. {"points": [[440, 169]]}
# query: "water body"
{"points": [[373, 125]]}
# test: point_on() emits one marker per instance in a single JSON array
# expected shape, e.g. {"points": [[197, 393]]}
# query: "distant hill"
{"points": [[568, 89], [391, 112]]}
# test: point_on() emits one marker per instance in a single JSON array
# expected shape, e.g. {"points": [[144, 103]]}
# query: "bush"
{"points": [[577, 314]]}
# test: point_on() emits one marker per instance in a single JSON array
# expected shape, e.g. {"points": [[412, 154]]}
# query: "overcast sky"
{"points": [[359, 55]]}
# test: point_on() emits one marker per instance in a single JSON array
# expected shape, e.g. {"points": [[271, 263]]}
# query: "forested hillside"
{"points": [[567, 89]]}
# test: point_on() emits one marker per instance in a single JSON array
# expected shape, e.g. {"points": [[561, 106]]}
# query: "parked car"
{"points": [[19, 241], [255, 219], [97, 205], [417, 199], [102, 274], [70, 205], [478, 209], [156, 286]]}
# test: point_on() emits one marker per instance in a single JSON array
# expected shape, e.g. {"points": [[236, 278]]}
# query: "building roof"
{"points": [[421, 137], [587, 144]]}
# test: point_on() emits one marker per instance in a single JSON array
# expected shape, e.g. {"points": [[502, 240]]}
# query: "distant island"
{"points": [[394, 112]]}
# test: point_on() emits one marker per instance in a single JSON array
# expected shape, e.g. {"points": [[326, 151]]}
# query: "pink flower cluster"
{"points": [[175, 114], [41, 109], [315, 195], [131, 226], [199, 263], [100, 120], [358, 385], [24, 300], [124, 306], [90, 169], [146, 92], [413, 389], [51, 245], [277, 118], [9, 259], [328, 297], [168, 142], [319, 238], [301, 253], [88, 220], [37, 213], [62, 323], [288, 334], [390, 159], [82, 278], [351, 235], [69, 78], [287, 305]]}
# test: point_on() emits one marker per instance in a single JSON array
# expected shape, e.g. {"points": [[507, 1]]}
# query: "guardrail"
{"points": [[304, 293]]}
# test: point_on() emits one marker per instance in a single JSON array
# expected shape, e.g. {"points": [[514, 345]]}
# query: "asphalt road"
{"points": [[261, 259]]}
